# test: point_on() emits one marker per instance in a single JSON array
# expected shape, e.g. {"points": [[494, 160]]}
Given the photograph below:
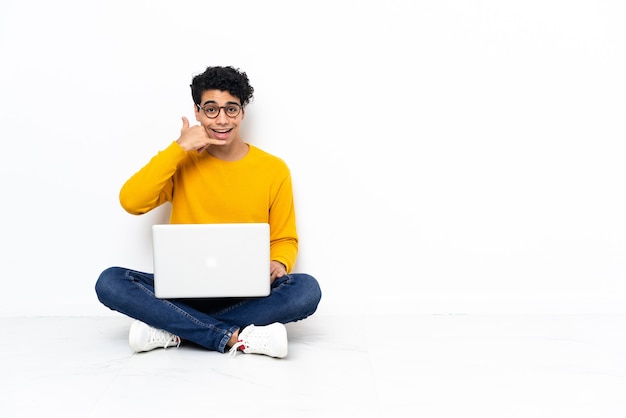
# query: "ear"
{"points": [[243, 112], [196, 111]]}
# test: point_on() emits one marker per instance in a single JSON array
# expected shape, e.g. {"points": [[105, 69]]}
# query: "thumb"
{"points": [[185, 123]]}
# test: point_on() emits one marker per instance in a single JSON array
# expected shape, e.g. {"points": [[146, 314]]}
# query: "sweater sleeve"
{"points": [[152, 186], [282, 219]]}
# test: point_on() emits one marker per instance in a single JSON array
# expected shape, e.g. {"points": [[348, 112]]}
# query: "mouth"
{"points": [[221, 133]]}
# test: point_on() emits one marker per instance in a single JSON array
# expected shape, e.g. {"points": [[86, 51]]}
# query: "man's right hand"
{"points": [[195, 137]]}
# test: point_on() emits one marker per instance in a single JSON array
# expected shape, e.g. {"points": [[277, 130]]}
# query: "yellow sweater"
{"points": [[204, 189]]}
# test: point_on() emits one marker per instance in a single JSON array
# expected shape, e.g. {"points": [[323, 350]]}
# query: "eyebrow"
{"points": [[214, 102]]}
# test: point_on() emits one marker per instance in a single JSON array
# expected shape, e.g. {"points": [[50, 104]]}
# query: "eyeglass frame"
{"points": [[219, 109]]}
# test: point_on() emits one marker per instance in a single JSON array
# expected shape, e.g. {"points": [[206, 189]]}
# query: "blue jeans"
{"points": [[207, 322]]}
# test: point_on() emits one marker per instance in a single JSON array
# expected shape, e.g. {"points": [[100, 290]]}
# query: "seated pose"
{"points": [[210, 175]]}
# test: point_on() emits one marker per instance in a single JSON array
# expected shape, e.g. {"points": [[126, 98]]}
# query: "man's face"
{"points": [[222, 126]]}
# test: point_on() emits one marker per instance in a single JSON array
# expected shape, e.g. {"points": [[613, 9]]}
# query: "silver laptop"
{"points": [[211, 260]]}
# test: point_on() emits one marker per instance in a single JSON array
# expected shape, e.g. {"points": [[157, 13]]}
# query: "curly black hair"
{"points": [[229, 79]]}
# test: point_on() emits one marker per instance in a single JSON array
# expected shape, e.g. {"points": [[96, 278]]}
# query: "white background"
{"points": [[447, 156]]}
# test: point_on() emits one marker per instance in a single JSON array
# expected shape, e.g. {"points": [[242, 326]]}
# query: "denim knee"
{"points": [[309, 291], [107, 282]]}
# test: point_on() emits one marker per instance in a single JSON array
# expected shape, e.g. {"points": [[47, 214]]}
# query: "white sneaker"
{"points": [[270, 340], [143, 337]]}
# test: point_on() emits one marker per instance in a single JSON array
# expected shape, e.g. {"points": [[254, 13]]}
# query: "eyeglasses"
{"points": [[212, 110]]}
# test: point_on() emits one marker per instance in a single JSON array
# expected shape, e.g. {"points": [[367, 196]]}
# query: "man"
{"points": [[211, 175]]}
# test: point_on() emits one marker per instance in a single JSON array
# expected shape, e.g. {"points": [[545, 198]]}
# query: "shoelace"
{"points": [[233, 350], [159, 336]]}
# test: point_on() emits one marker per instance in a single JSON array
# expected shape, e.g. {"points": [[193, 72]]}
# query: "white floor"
{"points": [[381, 366]]}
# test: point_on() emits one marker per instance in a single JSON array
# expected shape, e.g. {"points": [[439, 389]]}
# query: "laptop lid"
{"points": [[211, 260]]}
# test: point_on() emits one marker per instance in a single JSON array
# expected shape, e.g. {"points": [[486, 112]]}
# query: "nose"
{"points": [[221, 117]]}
